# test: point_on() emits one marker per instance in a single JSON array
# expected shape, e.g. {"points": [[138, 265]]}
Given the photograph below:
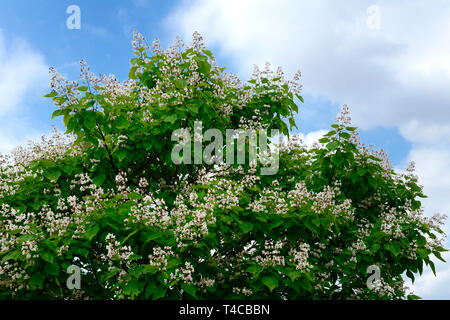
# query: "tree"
{"points": [[105, 197]]}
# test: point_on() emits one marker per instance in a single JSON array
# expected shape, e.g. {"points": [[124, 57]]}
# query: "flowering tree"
{"points": [[106, 197]]}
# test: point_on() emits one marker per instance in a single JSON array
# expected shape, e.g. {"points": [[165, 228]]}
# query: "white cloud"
{"points": [[388, 76], [7, 143], [23, 76], [430, 286], [308, 138], [433, 134], [21, 70], [16, 132], [311, 137], [433, 168]]}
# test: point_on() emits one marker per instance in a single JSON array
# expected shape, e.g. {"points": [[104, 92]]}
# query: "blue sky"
{"points": [[389, 61]]}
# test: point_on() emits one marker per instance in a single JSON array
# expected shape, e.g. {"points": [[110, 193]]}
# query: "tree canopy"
{"points": [[106, 196]]}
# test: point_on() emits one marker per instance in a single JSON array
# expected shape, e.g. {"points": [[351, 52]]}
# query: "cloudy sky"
{"points": [[388, 60]]}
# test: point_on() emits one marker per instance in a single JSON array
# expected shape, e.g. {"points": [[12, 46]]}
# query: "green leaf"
{"points": [[438, 255], [344, 135], [46, 255], [246, 226], [155, 291], [255, 269], [132, 73], [91, 231], [300, 98], [330, 133], [180, 84], [309, 224], [27, 237], [190, 289], [332, 145], [121, 155], [98, 180], [50, 245], [149, 236], [52, 269], [410, 275], [316, 221], [89, 124], [128, 237], [132, 288], [270, 282], [375, 247], [83, 252], [393, 247], [37, 279], [12, 255], [110, 274], [58, 113], [372, 182], [172, 263], [294, 274], [135, 196], [204, 67], [193, 108], [123, 210], [305, 284], [361, 171], [52, 94], [292, 123], [150, 269], [276, 224], [171, 118], [53, 175], [122, 123]]}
